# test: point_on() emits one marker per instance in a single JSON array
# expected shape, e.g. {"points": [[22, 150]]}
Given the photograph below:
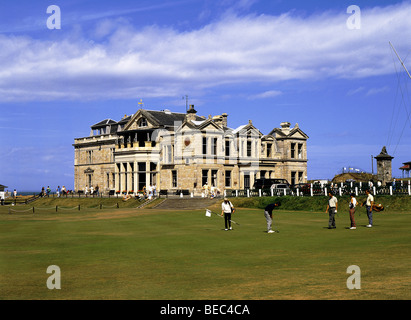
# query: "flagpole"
{"points": [[402, 63]]}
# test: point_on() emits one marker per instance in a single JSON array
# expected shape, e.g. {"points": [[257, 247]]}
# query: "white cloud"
{"points": [[160, 61], [265, 95], [374, 91], [355, 91]]}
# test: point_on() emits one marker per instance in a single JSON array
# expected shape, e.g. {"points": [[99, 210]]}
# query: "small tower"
{"points": [[384, 169], [191, 113]]}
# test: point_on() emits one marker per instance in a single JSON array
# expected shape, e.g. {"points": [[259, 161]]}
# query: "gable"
{"points": [[140, 120], [210, 126], [297, 134], [155, 119], [248, 129]]}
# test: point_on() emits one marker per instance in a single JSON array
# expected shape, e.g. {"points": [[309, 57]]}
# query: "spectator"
{"points": [[352, 205], [332, 207], [369, 202]]}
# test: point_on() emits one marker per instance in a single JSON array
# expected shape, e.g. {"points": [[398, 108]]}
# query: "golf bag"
{"points": [[378, 207]]}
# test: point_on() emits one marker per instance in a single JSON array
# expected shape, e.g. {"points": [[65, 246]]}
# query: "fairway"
{"points": [[180, 255]]}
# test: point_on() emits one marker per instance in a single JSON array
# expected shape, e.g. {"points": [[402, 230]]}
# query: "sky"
{"points": [[325, 65]]}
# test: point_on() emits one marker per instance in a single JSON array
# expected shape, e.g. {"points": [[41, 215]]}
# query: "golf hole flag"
{"points": [[208, 213]]}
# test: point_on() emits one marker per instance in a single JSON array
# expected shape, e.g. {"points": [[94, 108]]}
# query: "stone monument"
{"points": [[384, 168]]}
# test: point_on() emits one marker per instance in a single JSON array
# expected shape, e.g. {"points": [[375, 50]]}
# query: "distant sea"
{"points": [[25, 193]]}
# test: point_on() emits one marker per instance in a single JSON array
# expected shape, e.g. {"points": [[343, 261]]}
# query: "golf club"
{"points": [[208, 214]]}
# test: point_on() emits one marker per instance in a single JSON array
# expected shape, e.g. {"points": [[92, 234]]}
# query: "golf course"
{"points": [[152, 254]]}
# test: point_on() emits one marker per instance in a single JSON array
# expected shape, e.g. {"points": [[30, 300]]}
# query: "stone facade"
{"points": [[177, 151]]}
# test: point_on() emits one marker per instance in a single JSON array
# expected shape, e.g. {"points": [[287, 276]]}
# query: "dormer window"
{"points": [[142, 122]]}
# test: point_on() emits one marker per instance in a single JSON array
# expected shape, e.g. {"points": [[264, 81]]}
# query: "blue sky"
{"points": [[269, 61]]}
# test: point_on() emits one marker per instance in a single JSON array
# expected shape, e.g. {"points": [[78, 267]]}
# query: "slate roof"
{"points": [[166, 118], [103, 123], [163, 118]]}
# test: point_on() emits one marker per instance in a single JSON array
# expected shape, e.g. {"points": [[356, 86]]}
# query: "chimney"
{"points": [[225, 115], [285, 127]]}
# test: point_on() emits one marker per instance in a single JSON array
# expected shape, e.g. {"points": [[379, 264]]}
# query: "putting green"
{"points": [[151, 254]]}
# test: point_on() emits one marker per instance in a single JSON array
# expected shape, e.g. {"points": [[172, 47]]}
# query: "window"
{"points": [[214, 146], [142, 122], [269, 150], [292, 150], [214, 178], [300, 151], [90, 156], [227, 148], [246, 180], [168, 154], [204, 145], [174, 178], [293, 177], [263, 174], [228, 179], [204, 177], [141, 166], [249, 148]]}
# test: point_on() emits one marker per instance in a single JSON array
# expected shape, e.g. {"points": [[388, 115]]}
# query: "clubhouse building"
{"points": [[185, 151]]}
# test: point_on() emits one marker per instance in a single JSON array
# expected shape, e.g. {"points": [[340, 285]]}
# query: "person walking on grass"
{"points": [[268, 214], [227, 209], [368, 205], [352, 205], [332, 207]]}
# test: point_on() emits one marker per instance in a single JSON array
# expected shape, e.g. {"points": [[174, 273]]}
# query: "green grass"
{"points": [[149, 254]]}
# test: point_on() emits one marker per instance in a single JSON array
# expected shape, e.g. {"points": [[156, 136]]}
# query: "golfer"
{"points": [[332, 207], [268, 214], [226, 209], [368, 205], [352, 205]]}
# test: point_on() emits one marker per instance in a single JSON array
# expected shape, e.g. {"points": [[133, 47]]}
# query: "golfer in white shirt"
{"points": [[226, 210]]}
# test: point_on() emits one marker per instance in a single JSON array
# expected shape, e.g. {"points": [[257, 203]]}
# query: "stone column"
{"points": [[148, 178], [117, 178], [135, 187], [122, 177]]}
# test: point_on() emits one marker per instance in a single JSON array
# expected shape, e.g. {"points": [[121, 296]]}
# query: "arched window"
{"points": [[142, 122]]}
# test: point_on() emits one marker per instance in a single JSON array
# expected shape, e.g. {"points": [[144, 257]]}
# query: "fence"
{"points": [[11, 209], [322, 190]]}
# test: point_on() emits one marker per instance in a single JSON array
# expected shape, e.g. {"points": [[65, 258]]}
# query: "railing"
{"points": [[318, 190], [309, 190]]}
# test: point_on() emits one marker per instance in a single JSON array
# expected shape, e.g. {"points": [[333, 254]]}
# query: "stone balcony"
{"points": [[94, 139], [148, 146]]}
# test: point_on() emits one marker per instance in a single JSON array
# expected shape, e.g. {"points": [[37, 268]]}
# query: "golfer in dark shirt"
{"points": [[268, 213]]}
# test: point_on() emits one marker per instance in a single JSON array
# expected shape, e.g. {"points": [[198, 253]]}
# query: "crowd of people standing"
{"points": [[59, 191]]}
